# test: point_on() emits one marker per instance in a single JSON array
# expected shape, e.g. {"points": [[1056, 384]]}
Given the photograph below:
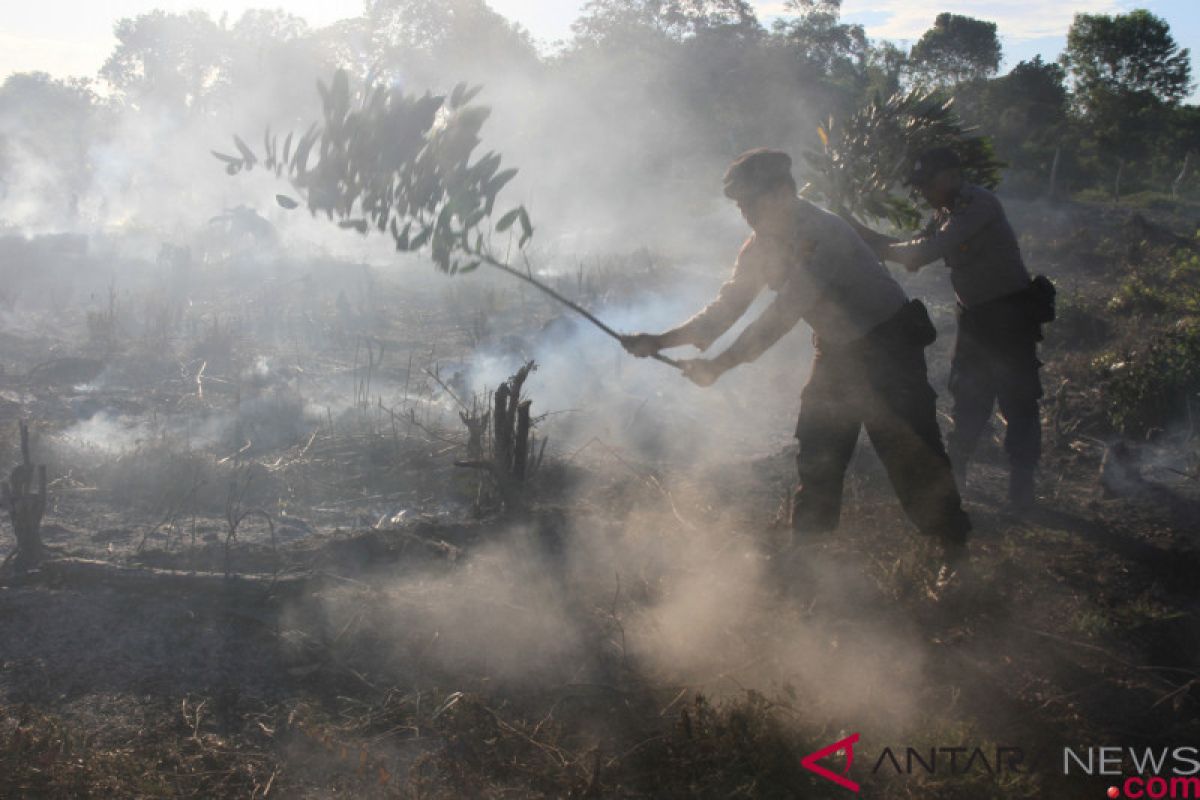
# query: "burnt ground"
{"points": [[636, 631]]}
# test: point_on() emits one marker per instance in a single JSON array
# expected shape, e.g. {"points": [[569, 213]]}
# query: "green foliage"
{"points": [[395, 162], [1076, 324], [1158, 386], [823, 42], [1135, 295], [170, 61], [609, 21], [1132, 52], [52, 125], [421, 40], [956, 49], [1128, 74], [866, 158], [1173, 286]]}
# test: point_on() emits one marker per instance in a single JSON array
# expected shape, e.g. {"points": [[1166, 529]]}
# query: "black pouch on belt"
{"points": [[911, 325], [918, 328], [1041, 299]]}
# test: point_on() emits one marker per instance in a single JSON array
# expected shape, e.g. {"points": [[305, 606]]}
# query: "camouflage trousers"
{"points": [[879, 383]]}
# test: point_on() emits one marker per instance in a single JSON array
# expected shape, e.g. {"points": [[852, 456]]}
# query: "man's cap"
{"points": [[757, 171], [930, 163]]}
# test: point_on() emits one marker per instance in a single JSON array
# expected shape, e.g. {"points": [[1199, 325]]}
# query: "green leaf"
{"points": [[268, 149], [247, 154], [300, 160], [470, 94], [422, 238], [506, 221], [443, 219], [401, 236], [497, 183], [526, 227]]}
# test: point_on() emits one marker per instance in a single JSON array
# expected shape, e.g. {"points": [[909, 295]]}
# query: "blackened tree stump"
{"points": [[26, 507]]}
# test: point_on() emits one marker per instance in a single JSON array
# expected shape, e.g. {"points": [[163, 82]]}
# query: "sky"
{"points": [[73, 37]]}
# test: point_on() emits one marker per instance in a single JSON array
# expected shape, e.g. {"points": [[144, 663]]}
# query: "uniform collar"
{"points": [[960, 201]]}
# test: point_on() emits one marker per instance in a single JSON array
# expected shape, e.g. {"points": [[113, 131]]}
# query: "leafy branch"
{"points": [[865, 158], [402, 164], [397, 163]]}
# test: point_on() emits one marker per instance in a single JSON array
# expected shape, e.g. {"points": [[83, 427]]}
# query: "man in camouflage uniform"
{"points": [[999, 314], [869, 370]]}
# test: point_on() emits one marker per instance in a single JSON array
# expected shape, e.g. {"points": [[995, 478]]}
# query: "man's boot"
{"points": [[810, 518], [1020, 488]]}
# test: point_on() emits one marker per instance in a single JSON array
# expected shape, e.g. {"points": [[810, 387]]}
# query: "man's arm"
{"points": [[779, 318], [877, 241], [706, 327], [945, 239]]}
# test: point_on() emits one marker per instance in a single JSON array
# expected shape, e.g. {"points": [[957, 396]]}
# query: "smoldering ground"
{"points": [[644, 600], [667, 586]]}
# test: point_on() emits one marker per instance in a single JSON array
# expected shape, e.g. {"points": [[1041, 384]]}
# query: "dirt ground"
{"points": [[301, 595]]}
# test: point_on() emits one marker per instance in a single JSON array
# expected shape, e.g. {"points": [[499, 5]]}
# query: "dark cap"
{"points": [[757, 171], [930, 163]]}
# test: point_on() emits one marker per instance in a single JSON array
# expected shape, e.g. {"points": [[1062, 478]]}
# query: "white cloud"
{"points": [[1016, 19]]}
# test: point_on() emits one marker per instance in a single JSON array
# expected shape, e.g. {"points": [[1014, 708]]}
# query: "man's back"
{"points": [[843, 288], [974, 238]]}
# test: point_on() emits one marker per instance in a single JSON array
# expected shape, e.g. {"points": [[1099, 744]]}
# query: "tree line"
{"points": [[691, 81]]}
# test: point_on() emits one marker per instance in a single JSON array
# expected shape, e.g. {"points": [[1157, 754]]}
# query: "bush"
{"points": [[1169, 282], [1077, 324], [1153, 389]]}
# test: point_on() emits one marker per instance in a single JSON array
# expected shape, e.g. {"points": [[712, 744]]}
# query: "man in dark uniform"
{"points": [[869, 370], [999, 314]]}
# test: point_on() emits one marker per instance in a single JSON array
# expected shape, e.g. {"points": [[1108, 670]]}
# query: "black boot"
{"points": [[1020, 488]]}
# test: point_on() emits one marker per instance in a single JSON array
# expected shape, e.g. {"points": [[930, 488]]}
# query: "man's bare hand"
{"points": [[642, 345], [700, 371]]}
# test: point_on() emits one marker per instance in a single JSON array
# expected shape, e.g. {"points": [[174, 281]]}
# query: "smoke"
{"points": [[603, 601], [612, 160], [594, 390]]}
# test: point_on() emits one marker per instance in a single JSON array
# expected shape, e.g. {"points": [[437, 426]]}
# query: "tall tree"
{"points": [[1128, 72], [47, 130], [1026, 114], [1125, 53], [956, 49], [822, 41], [169, 61], [609, 21]]}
